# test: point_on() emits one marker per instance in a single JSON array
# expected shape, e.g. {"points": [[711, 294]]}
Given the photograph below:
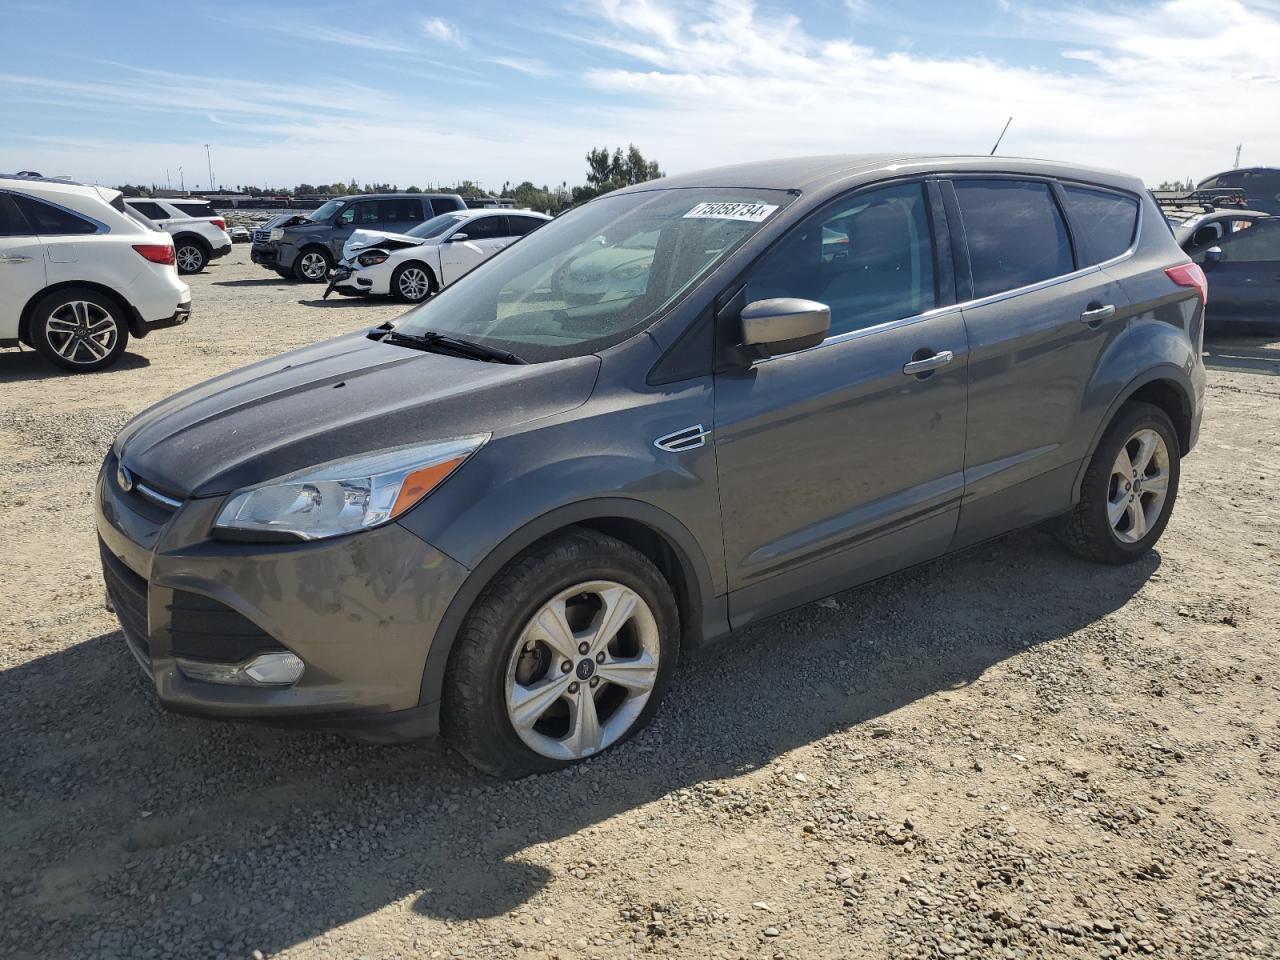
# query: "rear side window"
{"points": [[12, 222], [399, 210], [192, 209], [441, 205], [1015, 232], [869, 257], [522, 225], [152, 211], [1104, 222], [51, 221]]}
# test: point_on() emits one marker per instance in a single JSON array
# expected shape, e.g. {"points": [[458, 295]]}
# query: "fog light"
{"points": [[267, 669]]}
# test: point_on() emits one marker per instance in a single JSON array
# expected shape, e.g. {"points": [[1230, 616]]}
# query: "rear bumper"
{"points": [[218, 252], [361, 612], [140, 327]]}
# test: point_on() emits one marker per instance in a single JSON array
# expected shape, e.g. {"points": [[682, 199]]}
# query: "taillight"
{"points": [[220, 224], [1190, 275], [161, 253]]}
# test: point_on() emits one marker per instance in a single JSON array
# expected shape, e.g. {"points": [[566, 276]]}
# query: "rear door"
{"points": [[1042, 314], [22, 266], [1245, 284], [843, 462]]}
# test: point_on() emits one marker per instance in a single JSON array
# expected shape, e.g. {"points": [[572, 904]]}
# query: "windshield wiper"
{"points": [[442, 343]]}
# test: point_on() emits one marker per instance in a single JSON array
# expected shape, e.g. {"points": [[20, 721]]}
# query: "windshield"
{"points": [[435, 226], [323, 212], [598, 274]]}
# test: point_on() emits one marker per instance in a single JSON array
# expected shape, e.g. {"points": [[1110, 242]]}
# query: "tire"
{"points": [[496, 654], [413, 282], [79, 329], [1121, 514], [285, 274], [313, 265], [191, 255]]}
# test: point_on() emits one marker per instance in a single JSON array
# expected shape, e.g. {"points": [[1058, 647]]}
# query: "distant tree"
{"points": [[1178, 185], [608, 171], [411, 189], [304, 188]]}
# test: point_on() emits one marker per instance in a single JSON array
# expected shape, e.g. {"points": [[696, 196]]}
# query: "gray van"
{"points": [[504, 515], [307, 245]]}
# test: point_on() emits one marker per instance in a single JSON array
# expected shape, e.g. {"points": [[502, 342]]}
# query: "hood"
{"points": [[340, 398], [361, 239]]}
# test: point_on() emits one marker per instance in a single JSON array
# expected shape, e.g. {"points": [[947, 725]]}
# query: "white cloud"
{"points": [[696, 85], [443, 31]]}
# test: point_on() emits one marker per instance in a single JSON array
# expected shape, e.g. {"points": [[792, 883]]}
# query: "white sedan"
{"points": [[414, 265]]}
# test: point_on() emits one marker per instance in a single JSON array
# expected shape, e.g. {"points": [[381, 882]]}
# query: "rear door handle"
{"points": [[914, 368], [14, 259], [1097, 314]]}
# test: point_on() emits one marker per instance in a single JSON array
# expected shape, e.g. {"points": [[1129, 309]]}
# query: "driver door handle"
{"points": [[1098, 314], [914, 368]]}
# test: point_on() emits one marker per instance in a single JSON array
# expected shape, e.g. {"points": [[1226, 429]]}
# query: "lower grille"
{"points": [[128, 595], [204, 629]]}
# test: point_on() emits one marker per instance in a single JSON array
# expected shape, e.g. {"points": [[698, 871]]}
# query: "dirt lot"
{"points": [[1004, 754]]}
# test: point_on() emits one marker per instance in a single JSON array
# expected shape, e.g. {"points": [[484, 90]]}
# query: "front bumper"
{"points": [[265, 255], [360, 611]]}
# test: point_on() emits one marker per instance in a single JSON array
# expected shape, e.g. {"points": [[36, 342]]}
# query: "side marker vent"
{"points": [[690, 438]]}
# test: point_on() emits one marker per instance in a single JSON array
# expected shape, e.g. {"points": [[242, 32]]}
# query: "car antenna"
{"points": [[1001, 137]]}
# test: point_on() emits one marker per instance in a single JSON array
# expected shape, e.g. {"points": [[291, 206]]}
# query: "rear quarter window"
{"points": [[50, 221], [441, 205], [1016, 234], [152, 211], [1104, 222]]}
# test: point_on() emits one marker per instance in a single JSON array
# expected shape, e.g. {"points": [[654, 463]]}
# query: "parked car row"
{"points": [[81, 272]]}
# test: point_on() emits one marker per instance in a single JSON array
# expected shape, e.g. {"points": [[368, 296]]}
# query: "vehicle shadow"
{"points": [[257, 838], [337, 300], [17, 366], [1244, 349], [272, 281]]}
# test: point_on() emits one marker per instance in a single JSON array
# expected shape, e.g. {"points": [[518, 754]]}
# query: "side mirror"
{"points": [[457, 236], [783, 325], [1213, 256]]}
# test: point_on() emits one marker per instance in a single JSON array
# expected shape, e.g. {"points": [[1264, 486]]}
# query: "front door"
{"points": [[843, 462], [1244, 284], [472, 242]]}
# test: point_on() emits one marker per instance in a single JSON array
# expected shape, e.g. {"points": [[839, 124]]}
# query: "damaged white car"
{"points": [[412, 266]]}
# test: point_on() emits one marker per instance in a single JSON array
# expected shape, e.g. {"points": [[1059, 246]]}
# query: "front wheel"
{"points": [[1128, 490], [566, 653], [79, 329], [412, 283], [312, 265]]}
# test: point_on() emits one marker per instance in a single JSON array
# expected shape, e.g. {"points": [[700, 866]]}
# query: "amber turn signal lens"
{"points": [[421, 482]]}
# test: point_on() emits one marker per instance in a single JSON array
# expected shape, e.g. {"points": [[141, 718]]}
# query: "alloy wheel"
{"points": [[1139, 486], [190, 259], [414, 283], [314, 266], [81, 332], [582, 670]]}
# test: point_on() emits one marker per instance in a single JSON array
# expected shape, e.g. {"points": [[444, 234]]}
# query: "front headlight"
{"points": [[277, 233], [344, 496], [371, 258]]}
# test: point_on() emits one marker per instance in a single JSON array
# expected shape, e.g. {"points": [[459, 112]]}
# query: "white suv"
{"points": [[79, 274], [199, 234]]}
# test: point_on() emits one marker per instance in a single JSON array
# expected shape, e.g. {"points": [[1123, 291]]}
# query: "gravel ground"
{"points": [[1008, 753]]}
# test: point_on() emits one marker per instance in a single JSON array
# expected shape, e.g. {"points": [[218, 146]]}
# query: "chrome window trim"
{"points": [[990, 298], [99, 226]]}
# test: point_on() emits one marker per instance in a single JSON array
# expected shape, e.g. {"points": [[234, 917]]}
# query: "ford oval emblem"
{"points": [[124, 478]]}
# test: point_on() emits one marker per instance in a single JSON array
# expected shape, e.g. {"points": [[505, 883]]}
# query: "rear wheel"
{"points": [[312, 265], [1129, 489], [412, 282], [190, 256], [566, 653], [79, 329]]}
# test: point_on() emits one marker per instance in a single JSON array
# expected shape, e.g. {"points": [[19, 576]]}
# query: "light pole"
{"points": [[209, 157], [182, 181]]}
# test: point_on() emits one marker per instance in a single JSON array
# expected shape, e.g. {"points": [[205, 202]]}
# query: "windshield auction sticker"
{"points": [[750, 212]]}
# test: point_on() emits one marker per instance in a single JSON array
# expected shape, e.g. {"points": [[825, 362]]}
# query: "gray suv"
{"points": [[307, 246], [504, 516]]}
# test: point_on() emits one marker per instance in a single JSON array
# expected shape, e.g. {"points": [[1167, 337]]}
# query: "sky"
{"points": [[422, 92]]}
